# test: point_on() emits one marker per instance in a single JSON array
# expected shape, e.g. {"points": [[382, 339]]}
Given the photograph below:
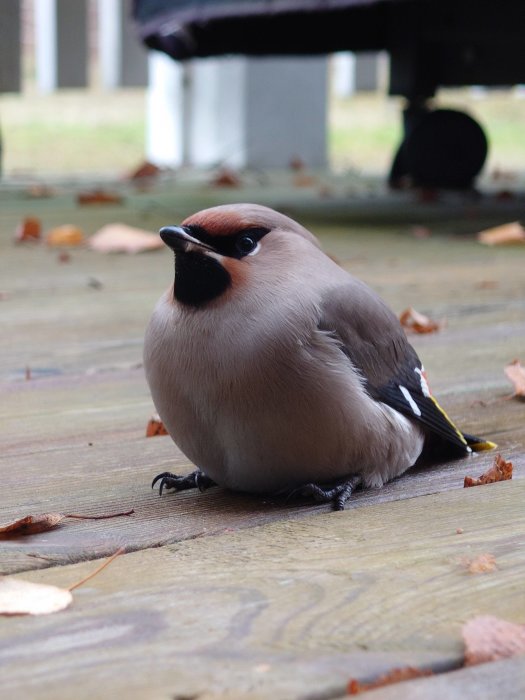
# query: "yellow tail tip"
{"points": [[482, 446]]}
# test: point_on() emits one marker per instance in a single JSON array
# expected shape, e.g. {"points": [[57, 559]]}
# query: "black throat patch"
{"points": [[199, 278]]}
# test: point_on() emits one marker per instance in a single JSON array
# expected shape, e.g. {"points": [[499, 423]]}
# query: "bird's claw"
{"points": [[195, 480], [337, 494]]}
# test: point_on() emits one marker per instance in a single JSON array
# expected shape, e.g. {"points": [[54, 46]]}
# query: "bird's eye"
{"points": [[246, 244]]}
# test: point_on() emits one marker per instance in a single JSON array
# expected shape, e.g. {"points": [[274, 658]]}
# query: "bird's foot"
{"points": [[336, 493], [195, 480]]}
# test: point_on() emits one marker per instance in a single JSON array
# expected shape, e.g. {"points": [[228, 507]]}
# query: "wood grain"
{"points": [[281, 608]]}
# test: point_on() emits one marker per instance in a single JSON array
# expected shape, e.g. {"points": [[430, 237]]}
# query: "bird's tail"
{"points": [[478, 444]]}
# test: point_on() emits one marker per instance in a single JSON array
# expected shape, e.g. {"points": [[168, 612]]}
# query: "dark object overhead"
{"points": [[431, 43]]}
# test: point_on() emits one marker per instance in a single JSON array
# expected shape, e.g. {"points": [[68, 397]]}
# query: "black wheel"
{"points": [[446, 148]]}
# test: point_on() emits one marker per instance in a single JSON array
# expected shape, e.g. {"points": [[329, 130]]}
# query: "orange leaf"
{"points": [[29, 229], [31, 524], [99, 197], [397, 675], [516, 373], [67, 235], [143, 171], [19, 597], [416, 322], [500, 470], [155, 427], [482, 564], [503, 235], [226, 178], [489, 638]]}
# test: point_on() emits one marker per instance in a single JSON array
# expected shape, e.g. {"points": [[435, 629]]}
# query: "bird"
{"points": [[276, 371]]}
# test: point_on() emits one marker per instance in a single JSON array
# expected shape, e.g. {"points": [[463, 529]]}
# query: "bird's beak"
{"points": [[179, 240]]}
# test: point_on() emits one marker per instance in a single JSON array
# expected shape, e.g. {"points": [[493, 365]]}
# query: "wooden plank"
{"points": [[289, 609], [83, 347]]}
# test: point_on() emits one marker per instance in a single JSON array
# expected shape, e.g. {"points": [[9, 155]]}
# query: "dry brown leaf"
{"points": [[31, 524], [489, 638], [19, 597], [155, 427], [66, 235], [506, 234], [99, 197], [303, 179], [516, 373], [501, 470], [29, 229], [416, 322], [120, 238], [143, 171], [397, 675], [482, 564], [226, 178]]}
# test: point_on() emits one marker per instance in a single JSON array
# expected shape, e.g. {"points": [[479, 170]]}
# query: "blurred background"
{"points": [[79, 97]]}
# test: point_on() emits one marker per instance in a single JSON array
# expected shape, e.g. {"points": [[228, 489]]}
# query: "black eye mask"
{"points": [[236, 245]]}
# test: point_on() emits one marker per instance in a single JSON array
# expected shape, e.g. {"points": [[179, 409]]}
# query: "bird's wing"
{"points": [[372, 338]]}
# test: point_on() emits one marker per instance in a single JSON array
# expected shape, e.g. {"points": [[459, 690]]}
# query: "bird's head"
{"points": [[225, 248]]}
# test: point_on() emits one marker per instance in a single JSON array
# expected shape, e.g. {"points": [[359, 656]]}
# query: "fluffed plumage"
{"points": [[275, 370]]}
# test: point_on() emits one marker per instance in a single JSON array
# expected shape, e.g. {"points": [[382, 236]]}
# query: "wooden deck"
{"points": [[227, 595]]}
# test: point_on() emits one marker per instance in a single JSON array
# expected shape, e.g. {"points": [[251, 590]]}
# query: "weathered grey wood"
{"points": [[82, 345], [10, 47], [289, 609]]}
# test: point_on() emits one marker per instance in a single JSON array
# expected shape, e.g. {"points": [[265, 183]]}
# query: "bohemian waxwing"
{"points": [[275, 370]]}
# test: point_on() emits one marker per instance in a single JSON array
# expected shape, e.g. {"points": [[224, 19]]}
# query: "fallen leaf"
{"points": [[397, 675], [516, 373], [226, 178], [29, 229], [503, 235], [416, 322], [143, 171], [19, 597], [155, 427], [64, 257], [99, 197], [421, 232], [296, 163], [66, 235], [40, 192], [482, 564], [489, 638], [500, 470], [302, 179], [120, 238], [31, 524]]}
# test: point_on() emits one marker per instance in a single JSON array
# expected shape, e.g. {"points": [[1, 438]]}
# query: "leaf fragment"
{"points": [[417, 322], [31, 524], [501, 470], [515, 372], [155, 427], [482, 564], [99, 196], [489, 638], [19, 597], [121, 238], [29, 229], [506, 234], [65, 235], [397, 675]]}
